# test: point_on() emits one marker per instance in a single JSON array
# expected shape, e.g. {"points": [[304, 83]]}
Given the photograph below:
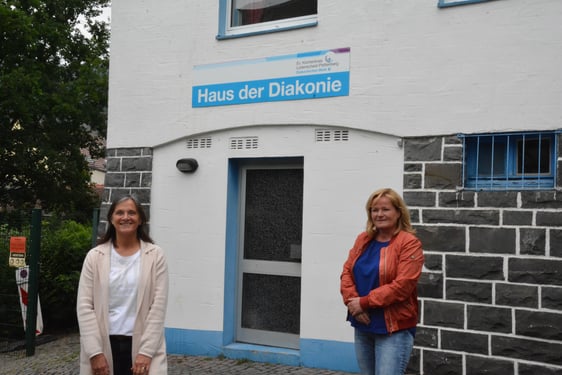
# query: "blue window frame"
{"points": [[239, 18], [452, 3], [509, 161]]}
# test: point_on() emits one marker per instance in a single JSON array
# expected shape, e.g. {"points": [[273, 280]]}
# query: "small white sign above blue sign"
{"points": [[309, 75]]}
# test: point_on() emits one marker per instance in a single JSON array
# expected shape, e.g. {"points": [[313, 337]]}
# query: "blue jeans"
{"points": [[383, 354]]}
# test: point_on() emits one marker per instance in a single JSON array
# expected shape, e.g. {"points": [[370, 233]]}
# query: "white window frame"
{"points": [[452, 3], [226, 31]]}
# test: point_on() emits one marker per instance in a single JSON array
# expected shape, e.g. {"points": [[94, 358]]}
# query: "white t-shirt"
{"points": [[123, 287]]}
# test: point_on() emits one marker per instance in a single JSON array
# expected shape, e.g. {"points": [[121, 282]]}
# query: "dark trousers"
{"points": [[121, 350]]}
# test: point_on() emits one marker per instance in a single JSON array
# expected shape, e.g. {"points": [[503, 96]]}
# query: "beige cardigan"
{"points": [[152, 299]]}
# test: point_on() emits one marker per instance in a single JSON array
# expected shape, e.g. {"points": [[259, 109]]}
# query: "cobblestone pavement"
{"points": [[60, 357]]}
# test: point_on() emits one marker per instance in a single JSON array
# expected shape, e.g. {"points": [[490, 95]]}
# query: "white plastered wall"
{"points": [[188, 216], [415, 69]]}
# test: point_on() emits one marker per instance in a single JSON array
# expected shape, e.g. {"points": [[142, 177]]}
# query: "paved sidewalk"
{"points": [[60, 357]]}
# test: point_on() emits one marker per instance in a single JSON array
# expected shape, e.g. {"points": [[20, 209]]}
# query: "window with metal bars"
{"points": [[509, 161]]}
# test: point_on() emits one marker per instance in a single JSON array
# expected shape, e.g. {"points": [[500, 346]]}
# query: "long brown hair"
{"points": [[142, 231], [397, 201]]}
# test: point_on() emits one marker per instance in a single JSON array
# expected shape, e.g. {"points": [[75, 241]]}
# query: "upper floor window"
{"points": [[509, 161], [248, 17]]}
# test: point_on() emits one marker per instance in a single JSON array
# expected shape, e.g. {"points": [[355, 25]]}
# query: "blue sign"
{"points": [[271, 90], [309, 75]]}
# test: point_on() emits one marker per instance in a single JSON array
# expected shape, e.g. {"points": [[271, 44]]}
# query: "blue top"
{"points": [[366, 275]]}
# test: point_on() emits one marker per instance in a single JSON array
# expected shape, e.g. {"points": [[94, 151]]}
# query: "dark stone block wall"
{"points": [[491, 290], [129, 172]]}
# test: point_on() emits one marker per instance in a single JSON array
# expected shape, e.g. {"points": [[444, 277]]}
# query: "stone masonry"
{"points": [[491, 290], [129, 172]]}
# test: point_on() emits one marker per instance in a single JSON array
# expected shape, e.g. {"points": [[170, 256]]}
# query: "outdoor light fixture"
{"points": [[187, 165]]}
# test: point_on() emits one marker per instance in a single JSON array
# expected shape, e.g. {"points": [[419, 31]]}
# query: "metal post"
{"points": [[31, 316], [95, 223]]}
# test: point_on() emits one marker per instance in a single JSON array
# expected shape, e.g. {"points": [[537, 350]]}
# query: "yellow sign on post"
{"points": [[17, 252]]}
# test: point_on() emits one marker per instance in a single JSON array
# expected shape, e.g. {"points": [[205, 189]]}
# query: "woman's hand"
{"points": [[363, 318], [357, 312], [99, 364], [141, 365], [354, 306]]}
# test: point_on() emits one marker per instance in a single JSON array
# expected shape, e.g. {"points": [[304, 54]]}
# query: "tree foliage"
{"points": [[53, 101]]}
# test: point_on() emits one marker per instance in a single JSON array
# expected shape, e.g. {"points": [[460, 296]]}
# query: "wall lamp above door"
{"points": [[187, 165]]}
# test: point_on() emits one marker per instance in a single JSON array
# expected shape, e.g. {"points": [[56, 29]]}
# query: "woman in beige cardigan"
{"points": [[122, 298]]}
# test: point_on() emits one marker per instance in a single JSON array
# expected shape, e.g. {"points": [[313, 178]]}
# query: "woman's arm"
{"points": [[347, 281], [156, 312], [87, 320]]}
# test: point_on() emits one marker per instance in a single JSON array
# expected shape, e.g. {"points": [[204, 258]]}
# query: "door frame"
{"points": [[233, 250]]}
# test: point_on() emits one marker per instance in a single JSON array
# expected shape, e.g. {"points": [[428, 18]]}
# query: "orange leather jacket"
{"points": [[400, 267]]}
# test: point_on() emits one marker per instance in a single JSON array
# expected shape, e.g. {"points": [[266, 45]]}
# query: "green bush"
{"points": [[64, 245]]}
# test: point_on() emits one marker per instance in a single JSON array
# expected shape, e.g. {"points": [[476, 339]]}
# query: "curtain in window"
{"points": [[256, 11]]}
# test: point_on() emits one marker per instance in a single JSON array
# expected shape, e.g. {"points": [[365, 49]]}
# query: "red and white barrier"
{"points": [[22, 280]]}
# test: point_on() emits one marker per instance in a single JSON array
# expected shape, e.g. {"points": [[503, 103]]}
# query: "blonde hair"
{"points": [[403, 224]]}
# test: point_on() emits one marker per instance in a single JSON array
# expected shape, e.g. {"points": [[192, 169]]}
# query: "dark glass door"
{"points": [[270, 258]]}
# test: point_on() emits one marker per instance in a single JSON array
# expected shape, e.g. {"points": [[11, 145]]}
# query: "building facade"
{"points": [[254, 131]]}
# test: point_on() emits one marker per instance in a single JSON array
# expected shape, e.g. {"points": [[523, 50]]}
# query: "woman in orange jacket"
{"points": [[379, 286]]}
